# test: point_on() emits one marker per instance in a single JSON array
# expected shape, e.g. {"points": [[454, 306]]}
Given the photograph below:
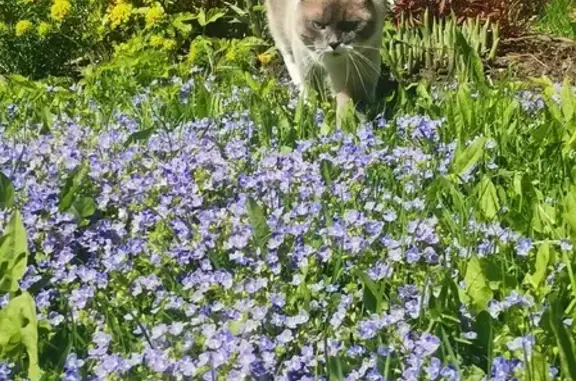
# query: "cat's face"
{"points": [[335, 26]]}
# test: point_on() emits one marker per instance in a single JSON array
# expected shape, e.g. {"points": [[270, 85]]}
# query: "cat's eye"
{"points": [[348, 26], [318, 25]]}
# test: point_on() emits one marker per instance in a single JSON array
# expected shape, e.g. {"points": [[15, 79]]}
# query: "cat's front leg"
{"points": [[344, 103], [294, 72]]}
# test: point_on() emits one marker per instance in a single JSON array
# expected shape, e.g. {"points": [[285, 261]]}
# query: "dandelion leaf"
{"points": [[261, 231], [18, 325], [6, 192], [476, 285], [13, 252]]}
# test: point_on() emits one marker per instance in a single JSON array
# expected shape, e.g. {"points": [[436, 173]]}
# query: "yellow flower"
{"points": [[169, 44], [156, 41], [120, 13], [3, 27], [154, 14], [160, 42], [44, 28], [22, 27], [60, 9], [231, 54], [265, 58]]}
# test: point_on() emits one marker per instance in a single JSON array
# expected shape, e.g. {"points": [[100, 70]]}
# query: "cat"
{"points": [[338, 39]]}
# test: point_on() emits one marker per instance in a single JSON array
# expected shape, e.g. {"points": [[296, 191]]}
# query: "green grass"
{"points": [[559, 18]]}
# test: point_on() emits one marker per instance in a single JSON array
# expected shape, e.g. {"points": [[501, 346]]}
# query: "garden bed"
{"points": [[535, 56]]}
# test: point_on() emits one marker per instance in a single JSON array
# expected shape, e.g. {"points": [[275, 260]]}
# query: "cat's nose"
{"points": [[334, 45]]}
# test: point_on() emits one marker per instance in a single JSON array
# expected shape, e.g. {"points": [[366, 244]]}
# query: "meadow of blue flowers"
{"points": [[203, 231]]}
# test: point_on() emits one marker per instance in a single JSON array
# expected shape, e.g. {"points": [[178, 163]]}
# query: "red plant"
{"points": [[513, 16]]}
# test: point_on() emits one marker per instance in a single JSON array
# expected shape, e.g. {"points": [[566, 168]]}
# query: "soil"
{"points": [[535, 56]]}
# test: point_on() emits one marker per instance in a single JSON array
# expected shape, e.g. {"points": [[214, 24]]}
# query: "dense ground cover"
{"points": [[216, 227]]}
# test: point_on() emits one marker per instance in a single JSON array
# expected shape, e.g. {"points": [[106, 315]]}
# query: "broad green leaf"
{"points": [[485, 339], [18, 325], [544, 217], [239, 11], [214, 14], [83, 207], [476, 284], [470, 156], [539, 367], [236, 326], [179, 22], [261, 231], [465, 107], [68, 193], [22, 81], [327, 169], [509, 113], [570, 209], [552, 320], [471, 57], [335, 369], [475, 374], [372, 297], [489, 203], [138, 136], [201, 18], [46, 116], [13, 254], [518, 184], [6, 192], [568, 100], [541, 266]]}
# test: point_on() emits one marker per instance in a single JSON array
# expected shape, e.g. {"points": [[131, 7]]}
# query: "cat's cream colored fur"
{"points": [[340, 38]]}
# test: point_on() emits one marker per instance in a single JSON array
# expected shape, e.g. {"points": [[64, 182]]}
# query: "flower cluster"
{"points": [[208, 256]]}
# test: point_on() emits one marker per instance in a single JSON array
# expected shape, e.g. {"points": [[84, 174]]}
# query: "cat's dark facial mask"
{"points": [[333, 26]]}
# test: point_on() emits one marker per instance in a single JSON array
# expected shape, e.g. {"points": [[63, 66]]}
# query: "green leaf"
{"points": [[13, 254], [570, 209], [261, 231], [485, 339], [540, 367], [236, 326], [465, 107], [327, 169], [489, 203], [18, 325], [372, 296], [335, 369], [6, 192], [139, 135], [179, 22], [567, 99], [475, 374], [22, 81], [68, 193], [552, 320], [470, 156], [239, 11], [46, 117], [83, 207], [476, 284], [471, 57], [214, 14], [541, 266], [201, 17]]}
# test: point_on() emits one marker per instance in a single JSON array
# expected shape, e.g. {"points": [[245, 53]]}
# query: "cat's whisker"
{"points": [[366, 61], [361, 77], [365, 47]]}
